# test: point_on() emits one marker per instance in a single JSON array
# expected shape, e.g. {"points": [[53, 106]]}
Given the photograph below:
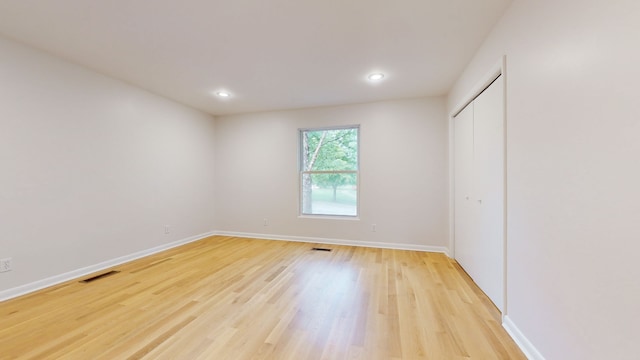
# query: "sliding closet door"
{"points": [[479, 191], [488, 189], [463, 188]]}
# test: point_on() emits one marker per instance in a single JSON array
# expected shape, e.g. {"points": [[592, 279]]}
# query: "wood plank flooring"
{"points": [[235, 298]]}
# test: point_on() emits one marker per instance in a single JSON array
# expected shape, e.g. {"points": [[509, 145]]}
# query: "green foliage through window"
{"points": [[329, 171]]}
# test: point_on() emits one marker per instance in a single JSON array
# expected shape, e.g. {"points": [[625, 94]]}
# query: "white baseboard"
{"points": [[525, 345], [54, 280], [372, 244]]}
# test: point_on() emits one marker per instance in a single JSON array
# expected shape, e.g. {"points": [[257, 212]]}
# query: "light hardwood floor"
{"points": [[235, 298]]}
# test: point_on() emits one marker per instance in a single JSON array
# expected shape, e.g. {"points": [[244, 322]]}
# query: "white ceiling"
{"points": [[270, 54]]}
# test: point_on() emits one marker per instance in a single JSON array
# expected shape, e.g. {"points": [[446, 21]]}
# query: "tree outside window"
{"points": [[329, 171]]}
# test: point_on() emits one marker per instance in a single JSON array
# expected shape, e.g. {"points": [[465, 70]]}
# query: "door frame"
{"points": [[498, 69]]}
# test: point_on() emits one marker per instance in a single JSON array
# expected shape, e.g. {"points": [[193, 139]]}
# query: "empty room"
{"points": [[280, 179]]}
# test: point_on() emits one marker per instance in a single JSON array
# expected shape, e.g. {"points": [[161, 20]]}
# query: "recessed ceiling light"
{"points": [[223, 94], [375, 76]]}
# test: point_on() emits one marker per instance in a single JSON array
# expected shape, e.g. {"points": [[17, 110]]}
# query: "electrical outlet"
{"points": [[5, 265], [373, 227], [265, 222], [167, 229]]}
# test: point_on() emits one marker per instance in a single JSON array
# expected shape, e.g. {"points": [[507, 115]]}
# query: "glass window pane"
{"points": [[333, 149], [330, 194]]}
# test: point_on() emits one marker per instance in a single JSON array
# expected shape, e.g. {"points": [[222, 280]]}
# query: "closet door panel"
{"points": [[488, 190], [463, 187]]}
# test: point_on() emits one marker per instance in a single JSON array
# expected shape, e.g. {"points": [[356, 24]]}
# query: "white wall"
{"points": [[573, 207], [92, 169], [403, 179]]}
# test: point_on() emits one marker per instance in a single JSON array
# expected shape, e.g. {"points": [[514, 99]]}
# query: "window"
{"points": [[329, 171]]}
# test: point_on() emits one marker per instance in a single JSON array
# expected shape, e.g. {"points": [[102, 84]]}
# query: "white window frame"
{"points": [[302, 172]]}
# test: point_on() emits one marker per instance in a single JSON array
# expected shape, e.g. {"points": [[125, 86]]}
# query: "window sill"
{"points": [[330, 217]]}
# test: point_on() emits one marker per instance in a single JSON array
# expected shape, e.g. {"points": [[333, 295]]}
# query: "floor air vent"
{"points": [[320, 249], [97, 277]]}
